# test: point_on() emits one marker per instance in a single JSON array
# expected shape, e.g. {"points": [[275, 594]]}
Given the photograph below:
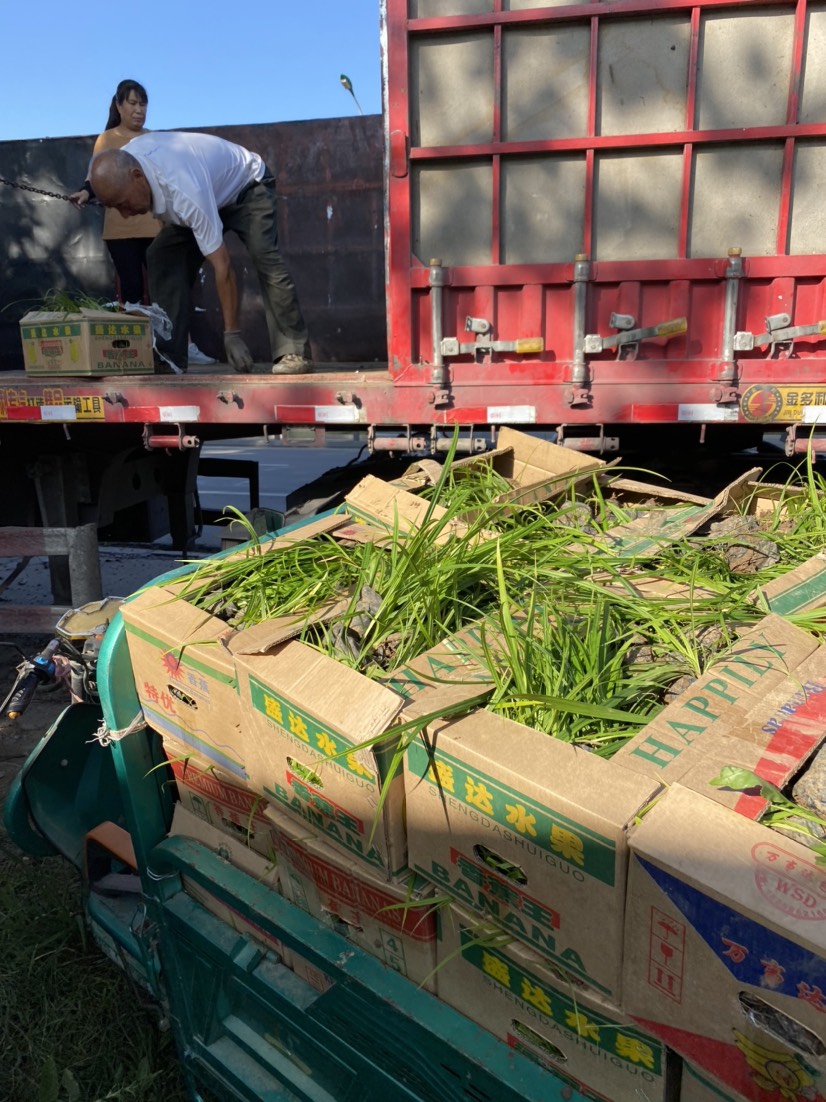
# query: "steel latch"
{"points": [[627, 339], [484, 343], [779, 333]]}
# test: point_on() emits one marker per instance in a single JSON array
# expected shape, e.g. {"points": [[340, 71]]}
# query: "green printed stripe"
{"points": [[671, 527], [799, 596], [44, 332], [54, 329], [622, 1041], [299, 724], [185, 654], [636, 549], [589, 851]]}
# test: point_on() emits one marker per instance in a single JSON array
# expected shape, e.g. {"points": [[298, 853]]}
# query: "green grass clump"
{"points": [[466, 488], [73, 1027], [70, 302]]}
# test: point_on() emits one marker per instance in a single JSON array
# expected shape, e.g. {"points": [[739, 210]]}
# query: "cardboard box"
{"points": [[272, 544], [583, 1039], [536, 469], [299, 743], [773, 499], [233, 850], [799, 590], [775, 740], [188, 825], [265, 871], [384, 506], [737, 685], [311, 975], [452, 673], [728, 750], [529, 831], [299, 738], [217, 801], [182, 657], [647, 535], [649, 588], [185, 676], [632, 492], [358, 904], [89, 342], [303, 715], [725, 953], [696, 1087]]}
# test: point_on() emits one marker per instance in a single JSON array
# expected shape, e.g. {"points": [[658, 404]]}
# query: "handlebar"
{"points": [[71, 656], [30, 673]]}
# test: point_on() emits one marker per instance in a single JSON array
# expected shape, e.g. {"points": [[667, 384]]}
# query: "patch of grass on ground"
{"points": [[73, 1027]]}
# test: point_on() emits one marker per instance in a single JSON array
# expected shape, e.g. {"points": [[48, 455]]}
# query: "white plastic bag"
{"points": [[161, 327]]}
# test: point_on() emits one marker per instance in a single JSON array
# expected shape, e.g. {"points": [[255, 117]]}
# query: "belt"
{"points": [[267, 180]]}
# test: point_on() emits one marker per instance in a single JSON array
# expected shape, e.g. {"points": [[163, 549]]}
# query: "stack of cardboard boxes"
{"points": [[597, 916]]}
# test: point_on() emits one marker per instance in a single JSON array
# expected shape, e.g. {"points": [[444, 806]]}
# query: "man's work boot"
{"points": [[292, 364]]}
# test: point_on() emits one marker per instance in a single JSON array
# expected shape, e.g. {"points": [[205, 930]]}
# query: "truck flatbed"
{"points": [[333, 394]]}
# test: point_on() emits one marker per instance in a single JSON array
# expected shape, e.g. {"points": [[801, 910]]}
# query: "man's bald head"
{"points": [[119, 182]]}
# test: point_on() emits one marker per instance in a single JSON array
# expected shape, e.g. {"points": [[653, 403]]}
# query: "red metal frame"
{"points": [[667, 380]]}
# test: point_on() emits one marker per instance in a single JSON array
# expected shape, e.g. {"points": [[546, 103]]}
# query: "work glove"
{"points": [[238, 355]]}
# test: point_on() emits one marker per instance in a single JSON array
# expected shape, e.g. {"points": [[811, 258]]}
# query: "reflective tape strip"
{"points": [[167, 414], [707, 411], [58, 413], [347, 414], [512, 415]]}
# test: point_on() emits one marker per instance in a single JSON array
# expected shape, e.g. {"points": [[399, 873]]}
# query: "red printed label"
{"points": [[343, 889], [666, 954], [229, 796], [793, 886]]}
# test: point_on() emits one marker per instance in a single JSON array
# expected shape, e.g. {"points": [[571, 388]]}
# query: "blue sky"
{"points": [[202, 65]]}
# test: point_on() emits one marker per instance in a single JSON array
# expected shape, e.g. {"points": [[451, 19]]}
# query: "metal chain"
{"points": [[36, 190]]}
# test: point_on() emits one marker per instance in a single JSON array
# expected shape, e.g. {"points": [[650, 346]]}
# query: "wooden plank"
{"points": [[34, 541], [30, 619]]}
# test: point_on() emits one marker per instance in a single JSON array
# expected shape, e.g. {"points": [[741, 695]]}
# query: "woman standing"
{"points": [[127, 239]]}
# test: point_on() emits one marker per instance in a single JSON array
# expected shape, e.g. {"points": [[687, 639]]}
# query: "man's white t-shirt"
{"points": [[192, 176]]}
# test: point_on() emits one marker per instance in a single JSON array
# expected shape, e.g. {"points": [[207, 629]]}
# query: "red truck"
{"points": [[602, 219]]}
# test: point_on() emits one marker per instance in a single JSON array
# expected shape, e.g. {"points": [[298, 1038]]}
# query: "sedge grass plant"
{"points": [[564, 662]]}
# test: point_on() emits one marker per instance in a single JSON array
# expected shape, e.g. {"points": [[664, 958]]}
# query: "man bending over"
{"points": [[201, 186]]}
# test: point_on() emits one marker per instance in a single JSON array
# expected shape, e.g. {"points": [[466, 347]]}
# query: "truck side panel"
{"points": [[583, 172]]}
